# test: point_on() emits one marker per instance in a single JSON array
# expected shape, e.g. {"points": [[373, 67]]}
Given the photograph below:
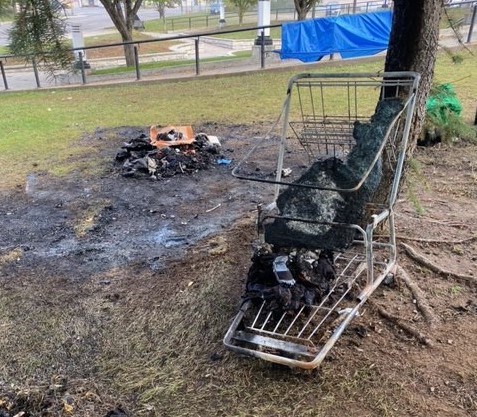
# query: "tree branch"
{"points": [[450, 242]]}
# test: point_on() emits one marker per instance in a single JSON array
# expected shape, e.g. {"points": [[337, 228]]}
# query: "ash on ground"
{"points": [[290, 280], [333, 205], [140, 157]]}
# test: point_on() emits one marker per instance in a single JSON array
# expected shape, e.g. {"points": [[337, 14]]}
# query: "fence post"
{"points": [[136, 63], [35, 71], [4, 76], [83, 73], [197, 69], [276, 15], [472, 23], [190, 23], [262, 49]]}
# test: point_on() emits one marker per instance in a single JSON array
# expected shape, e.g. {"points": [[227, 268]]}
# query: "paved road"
{"points": [[92, 20]]}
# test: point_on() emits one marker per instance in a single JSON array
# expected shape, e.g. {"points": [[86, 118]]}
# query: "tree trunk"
{"points": [[241, 12], [129, 54], [302, 7], [122, 14], [412, 47]]}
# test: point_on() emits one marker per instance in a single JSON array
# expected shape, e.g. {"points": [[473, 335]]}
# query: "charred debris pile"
{"points": [[290, 280], [168, 151], [295, 267]]}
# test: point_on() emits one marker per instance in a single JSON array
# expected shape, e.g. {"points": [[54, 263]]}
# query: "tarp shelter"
{"points": [[351, 36]]}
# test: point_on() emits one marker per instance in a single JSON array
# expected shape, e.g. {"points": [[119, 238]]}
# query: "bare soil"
{"points": [[115, 294]]}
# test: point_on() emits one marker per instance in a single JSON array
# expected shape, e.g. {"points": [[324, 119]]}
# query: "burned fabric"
{"points": [[330, 206], [313, 274], [139, 157]]}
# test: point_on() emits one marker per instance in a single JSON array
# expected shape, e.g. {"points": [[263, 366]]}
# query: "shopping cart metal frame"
{"points": [[304, 338]]}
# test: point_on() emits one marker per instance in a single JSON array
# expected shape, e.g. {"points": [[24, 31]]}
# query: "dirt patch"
{"points": [[121, 289], [94, 224]]}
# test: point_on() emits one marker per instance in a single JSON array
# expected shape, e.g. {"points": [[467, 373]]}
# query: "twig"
{"points": [[213, 208], [421, 302], [404, 326], [467, 279], [450, 242]]}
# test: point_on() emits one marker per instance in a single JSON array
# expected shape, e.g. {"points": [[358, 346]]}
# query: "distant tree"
{"points": [[39, 29], [161, 6], [302, 7], [242, 7], [122, 13]]}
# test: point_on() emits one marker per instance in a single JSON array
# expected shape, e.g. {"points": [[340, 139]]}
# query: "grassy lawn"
{"points": [[193, 21], [6, 16], [199, 21], [115, 51], [275, 33], [40, 128], [453, 15], [171, 64]]}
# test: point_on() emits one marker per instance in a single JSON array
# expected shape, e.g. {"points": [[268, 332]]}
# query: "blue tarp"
{"points": [[351, 36]]}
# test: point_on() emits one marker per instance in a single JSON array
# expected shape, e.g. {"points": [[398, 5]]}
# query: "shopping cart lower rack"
{"points": [[326, 241]]}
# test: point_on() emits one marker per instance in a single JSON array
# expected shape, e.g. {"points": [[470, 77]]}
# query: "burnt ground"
{"points": [[115, 294]]}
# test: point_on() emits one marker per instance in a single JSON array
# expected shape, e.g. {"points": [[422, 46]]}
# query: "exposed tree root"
{"points": [[435, 221], [450, 242], [410, 330], [421, 302], [467, 279]]}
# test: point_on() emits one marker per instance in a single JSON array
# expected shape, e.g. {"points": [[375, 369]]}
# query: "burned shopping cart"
{"points": [[326, 241]]}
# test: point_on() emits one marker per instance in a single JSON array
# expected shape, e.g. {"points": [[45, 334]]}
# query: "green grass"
{"points": [[6, 15], [452, 16], [149, 66], [199, 21], [193, 21], [111, 38], [40, 128], [275, 33]]}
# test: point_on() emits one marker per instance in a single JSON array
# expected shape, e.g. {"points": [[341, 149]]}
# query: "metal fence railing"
{"points": [[254, 52]]}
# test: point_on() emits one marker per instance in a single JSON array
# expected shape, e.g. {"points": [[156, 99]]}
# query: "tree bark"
{"points": [[413, 47], [122, 14], [161, 8], [302, 7]]}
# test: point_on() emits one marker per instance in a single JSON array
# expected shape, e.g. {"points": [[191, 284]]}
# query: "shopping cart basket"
{"points": [[338, 138]]}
